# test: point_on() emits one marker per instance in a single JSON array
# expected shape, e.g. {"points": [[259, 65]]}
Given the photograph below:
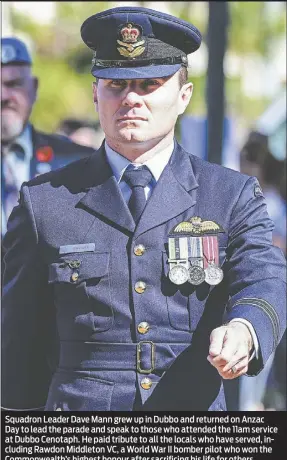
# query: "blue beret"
{"points": [[14, 51], [135, 42]]}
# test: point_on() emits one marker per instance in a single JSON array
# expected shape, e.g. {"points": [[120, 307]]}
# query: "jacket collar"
{"points": [[103, 195]]}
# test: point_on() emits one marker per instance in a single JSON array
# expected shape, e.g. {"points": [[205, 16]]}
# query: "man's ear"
{"points": [[185, 96], [95, 94], [35, 87]]}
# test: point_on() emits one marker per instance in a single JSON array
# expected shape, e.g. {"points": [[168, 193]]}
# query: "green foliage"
{"points": [[246, 30], [250, 29], [62, 93], [62, 61]]}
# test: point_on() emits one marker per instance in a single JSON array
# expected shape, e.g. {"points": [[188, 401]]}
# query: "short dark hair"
{"points": [[182, 76]]}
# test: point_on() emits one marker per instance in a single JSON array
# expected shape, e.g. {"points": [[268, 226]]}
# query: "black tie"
{"points": [[137, 179]]}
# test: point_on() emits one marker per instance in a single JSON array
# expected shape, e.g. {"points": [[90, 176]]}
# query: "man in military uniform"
{"points": [[25, 152], [152, 269]]}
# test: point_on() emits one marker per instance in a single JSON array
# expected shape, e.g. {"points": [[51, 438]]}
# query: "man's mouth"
{"points": [[131, 118], [8, 109]]}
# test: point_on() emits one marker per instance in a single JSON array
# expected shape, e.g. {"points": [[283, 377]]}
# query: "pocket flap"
{"points": [[87, 266], [77, 391]]}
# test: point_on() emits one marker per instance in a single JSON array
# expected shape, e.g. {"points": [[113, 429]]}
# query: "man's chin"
{"points": [[133, 135], [11, 128]]}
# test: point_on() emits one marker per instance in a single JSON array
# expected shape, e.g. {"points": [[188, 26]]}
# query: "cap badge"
{"points": [[8, 53], [131, 42]]}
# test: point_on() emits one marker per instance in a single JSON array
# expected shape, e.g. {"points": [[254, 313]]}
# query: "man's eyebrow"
{"points": [[14, 80]]}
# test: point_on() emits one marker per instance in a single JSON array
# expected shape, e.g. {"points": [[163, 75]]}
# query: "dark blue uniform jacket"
{"points": [[72, 343]]}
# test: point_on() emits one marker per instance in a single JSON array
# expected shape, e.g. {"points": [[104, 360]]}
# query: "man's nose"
{"points": [[132, 98]]}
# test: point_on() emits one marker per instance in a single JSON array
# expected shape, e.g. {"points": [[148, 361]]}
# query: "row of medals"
{"points": [[183, 271]]}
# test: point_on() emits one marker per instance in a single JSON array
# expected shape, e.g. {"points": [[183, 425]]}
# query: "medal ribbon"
{"points": [[210, 250], [196, 250], [178, 251], [178, 248]]}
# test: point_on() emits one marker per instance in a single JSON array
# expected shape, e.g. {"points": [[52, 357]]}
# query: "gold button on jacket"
{"points": [[146, 383], [139, 250], [143, 327], [75, 277], [140, 287]]}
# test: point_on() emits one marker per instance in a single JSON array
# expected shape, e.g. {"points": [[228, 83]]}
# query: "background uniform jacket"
{"points": [[49, 152], [63, 151], [77, 215]]}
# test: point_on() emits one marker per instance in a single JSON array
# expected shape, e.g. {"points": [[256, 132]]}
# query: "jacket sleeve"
{"points": [[256, 272], [28, 320]]}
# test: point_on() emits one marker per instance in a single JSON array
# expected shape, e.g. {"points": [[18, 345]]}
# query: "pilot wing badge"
{"points": [[193, 252]]}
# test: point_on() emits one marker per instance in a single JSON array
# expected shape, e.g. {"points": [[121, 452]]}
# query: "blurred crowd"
{"points": [[267, 391], [26, 153], [83, 132]]}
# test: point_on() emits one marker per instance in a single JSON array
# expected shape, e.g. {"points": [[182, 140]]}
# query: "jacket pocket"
{"points": [[88, 266], [185, 303], [78, 391], [82, 291]]}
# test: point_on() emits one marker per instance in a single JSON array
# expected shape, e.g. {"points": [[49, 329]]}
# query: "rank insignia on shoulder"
{"points": [[258, 190]]}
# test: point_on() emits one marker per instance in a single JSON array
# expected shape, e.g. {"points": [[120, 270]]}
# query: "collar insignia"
{"points": [[196, 226], [131, 42]]}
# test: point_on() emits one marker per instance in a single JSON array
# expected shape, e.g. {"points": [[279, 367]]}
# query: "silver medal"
{"points": [[196, 275], [213, 274], [197, 261], [178, 274]]}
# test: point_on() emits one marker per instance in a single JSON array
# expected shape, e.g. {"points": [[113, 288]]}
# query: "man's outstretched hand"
{"points": [[229, 350]]}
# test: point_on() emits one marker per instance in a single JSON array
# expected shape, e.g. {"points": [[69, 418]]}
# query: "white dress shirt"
{"points": [[16, 167], [20, 165], [156, 166]]}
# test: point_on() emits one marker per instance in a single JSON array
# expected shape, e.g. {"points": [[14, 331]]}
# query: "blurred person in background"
{"points": [[25, 152], [268, 389], [257, 160], [84, 132], [275, 393]]}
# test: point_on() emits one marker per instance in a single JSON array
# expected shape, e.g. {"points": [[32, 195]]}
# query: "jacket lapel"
{"points": [[171, 196], [104, 196], [34, 162]]}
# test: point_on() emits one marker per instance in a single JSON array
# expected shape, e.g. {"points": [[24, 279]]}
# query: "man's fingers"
{"points": [[239, 360], [229, 375], [229, 350], [217, 337], [229, 345], [234, 369]]}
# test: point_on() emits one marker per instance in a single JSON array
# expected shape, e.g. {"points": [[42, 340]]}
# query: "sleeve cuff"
{"points": [[255, 353]]}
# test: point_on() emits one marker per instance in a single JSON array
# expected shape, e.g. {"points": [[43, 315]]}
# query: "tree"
{"points": [[216, 39]]}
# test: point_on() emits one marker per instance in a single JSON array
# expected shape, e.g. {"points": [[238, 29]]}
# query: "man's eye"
{"points": [[15, 84], [117, 84], [152, 82]]}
